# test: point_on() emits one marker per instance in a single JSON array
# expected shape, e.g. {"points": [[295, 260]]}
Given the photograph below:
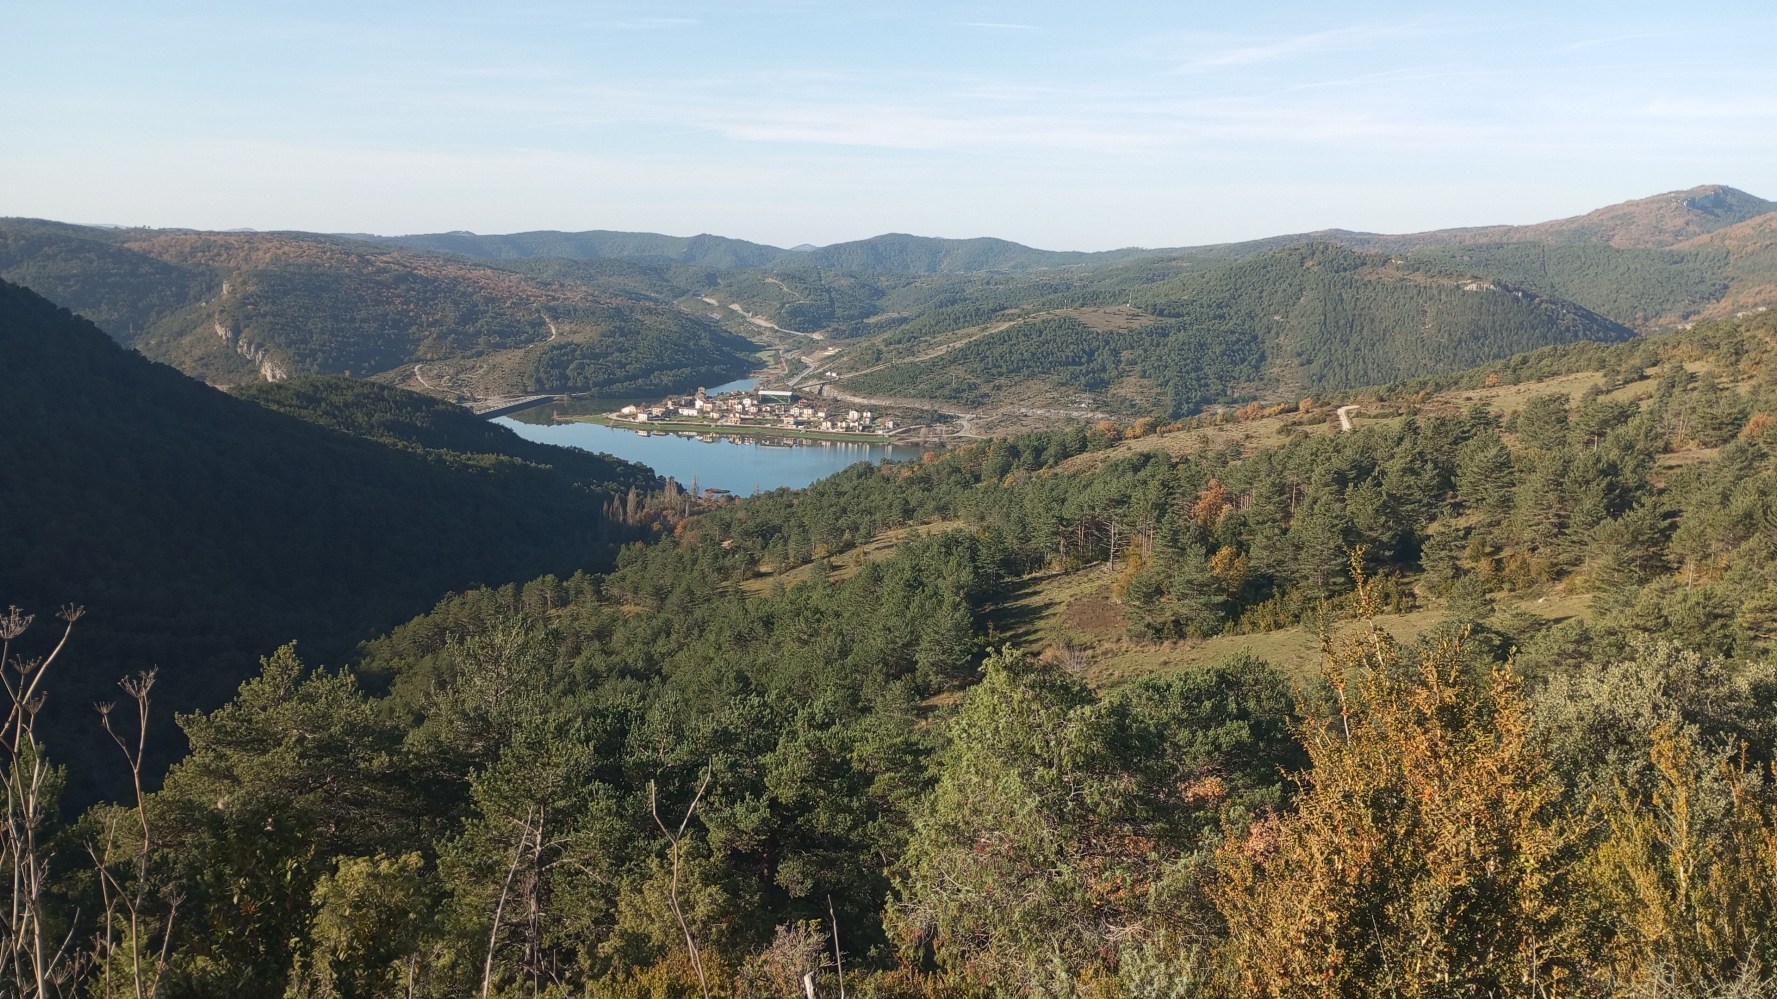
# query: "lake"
{"points": [[741, 465]]}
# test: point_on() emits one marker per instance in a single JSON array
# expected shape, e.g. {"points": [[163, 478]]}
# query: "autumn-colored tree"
{"points": [[1685, 880], [1232, 567], [1211, 503], [1426, 855]]}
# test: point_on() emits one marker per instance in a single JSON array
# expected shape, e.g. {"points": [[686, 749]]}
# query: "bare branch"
{"points": [[673, 851]]}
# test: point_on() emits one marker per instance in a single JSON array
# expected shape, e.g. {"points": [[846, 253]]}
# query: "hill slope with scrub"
{"points": [[763, 746]]}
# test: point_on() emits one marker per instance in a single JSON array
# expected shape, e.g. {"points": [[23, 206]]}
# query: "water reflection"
{"points": [[740, 464]]}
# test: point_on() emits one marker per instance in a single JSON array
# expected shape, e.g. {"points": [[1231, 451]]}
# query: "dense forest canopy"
{"points": [[1311, 318], [631, 358], [759, 749]]}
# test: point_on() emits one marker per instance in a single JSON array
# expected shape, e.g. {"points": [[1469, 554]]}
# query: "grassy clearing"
{"points": [[845, 564], [1259, 435], [1680, 459], [1107, 318], [1511, 398], [1070, 616]]}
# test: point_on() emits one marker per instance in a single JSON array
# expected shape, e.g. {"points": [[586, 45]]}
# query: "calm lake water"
{"points": [[740, 465]]}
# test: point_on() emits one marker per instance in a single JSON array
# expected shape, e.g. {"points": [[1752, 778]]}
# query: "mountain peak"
{"points": [[1656, 222], [1720, 200], [1662, 220]]}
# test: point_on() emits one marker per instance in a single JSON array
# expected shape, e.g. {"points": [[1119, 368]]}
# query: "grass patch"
{"points": [[1259, 435], [1070, 618], [845, 565], [1511, 398]]}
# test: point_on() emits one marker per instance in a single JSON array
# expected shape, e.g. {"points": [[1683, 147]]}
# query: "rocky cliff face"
{"points": [[270, 370]]}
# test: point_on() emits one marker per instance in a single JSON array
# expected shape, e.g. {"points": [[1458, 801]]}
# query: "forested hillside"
{"points": [[894, 253], [703, 250], [439, 430], [122, 291], [202, 530], [976, 323], [1651, 263], [235, 307], [758, 750], [1308, 319]]}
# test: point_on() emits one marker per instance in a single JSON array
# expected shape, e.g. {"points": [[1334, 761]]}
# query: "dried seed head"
{"points": [[13, 623]]}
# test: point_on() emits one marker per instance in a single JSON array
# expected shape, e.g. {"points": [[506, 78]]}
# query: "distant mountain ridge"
{"points": [[703, 249], [893, 252], [234, 307], [1659, 221], [1756, 233], [462, 316]]}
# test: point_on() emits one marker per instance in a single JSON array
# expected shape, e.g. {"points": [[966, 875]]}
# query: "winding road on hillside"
{"points": [[939, 351], [1345, 418], [964, 420], [826, 391], [964, 425], [761, 321], [812, 363]]}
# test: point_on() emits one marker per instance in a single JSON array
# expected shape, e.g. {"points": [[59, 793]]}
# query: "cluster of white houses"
{"points": [[763, 408]]}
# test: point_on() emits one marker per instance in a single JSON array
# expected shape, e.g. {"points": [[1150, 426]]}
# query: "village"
{"points": [[763, 409]]}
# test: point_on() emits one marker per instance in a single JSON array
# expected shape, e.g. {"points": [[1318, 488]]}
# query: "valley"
{"points": [[997, 336], [1232, 561], [888, 501]]}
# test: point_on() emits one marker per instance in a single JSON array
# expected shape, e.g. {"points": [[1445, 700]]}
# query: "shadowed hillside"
{"points": [[201, 531]]}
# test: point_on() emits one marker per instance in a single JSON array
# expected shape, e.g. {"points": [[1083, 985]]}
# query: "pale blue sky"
{"points": [[1066, 126]]}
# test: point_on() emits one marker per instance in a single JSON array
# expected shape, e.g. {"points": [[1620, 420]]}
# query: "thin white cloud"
{"points": [[997, 25], [1590, 43], [1284, 49], [655, 23], [1190, 128], [996, 91], [1722, 110], [914, 128]]}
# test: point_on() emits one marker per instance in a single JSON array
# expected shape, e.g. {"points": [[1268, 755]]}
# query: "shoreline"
{"points": [[718, 430]]}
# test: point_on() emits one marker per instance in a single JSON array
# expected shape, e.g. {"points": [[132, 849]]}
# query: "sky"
{"points": [[1064, 126]]}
